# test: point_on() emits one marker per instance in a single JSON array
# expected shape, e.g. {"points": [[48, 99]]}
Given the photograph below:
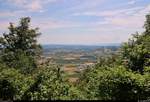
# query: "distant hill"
{"points": [[76, 45], [47, 46], [78, 48]]}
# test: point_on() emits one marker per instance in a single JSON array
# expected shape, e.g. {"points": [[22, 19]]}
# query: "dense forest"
{"points": [[123, 76]]}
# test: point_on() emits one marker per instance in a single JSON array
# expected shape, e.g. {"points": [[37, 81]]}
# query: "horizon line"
{"points": [[100, 44]]}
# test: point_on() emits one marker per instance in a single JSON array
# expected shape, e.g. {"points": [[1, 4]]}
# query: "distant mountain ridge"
{"points": [[66, 48], [81, 45]]}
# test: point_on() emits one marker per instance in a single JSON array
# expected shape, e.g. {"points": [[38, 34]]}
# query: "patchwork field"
{"points": [[74, 59]]}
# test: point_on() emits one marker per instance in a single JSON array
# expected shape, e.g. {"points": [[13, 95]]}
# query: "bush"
{"points": [[50, 84], [13, 84], [116, 84]]}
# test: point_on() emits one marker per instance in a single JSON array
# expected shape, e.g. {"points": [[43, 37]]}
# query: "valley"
{"points": [[75, 58]]}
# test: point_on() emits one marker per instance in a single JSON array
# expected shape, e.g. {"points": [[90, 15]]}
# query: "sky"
{"points": [[85, 22]]}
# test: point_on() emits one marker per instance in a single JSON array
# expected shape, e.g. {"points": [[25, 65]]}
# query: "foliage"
{"points": [[112, 60], [107, 80], [50, 84], [115, 84], [21, 37], [20, 44], [136, 52], [13, 84]]}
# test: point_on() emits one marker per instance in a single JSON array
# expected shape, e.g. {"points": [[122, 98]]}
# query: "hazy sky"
{"points": [[78, 21]]}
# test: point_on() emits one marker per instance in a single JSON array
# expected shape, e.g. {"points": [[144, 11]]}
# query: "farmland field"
{"points": [[76, 58]]}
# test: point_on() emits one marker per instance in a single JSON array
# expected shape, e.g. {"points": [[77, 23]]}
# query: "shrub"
{"points": [[116, 84], [13, 84], [50, 84]]}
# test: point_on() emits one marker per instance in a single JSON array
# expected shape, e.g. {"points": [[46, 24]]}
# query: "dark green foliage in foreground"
{"points": [[46, 84], [50, 84], [20, 44], [116, 83], [137, 55], [13, 84]]}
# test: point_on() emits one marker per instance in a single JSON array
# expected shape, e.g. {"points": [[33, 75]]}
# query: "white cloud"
{"points": [[6, 14], [34, 6], [132, 2], [130, 17], [86, 4], [48, 24], [135, 20], [31, 5], [89, 36], [109, 12], [118, 25]]}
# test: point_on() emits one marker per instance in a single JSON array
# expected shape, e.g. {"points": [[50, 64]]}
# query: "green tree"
{"points": [[136, 52], [19, 46]]}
